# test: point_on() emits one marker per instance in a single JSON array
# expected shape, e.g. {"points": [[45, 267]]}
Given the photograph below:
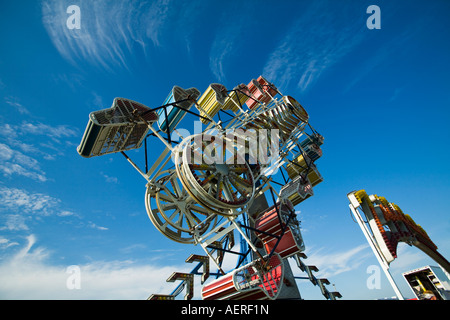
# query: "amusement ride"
{"points": [[218, 185]]}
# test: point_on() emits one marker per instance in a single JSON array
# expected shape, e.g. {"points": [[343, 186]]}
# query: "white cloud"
{"points": [[6, 153], [14, 168], [19, 206], [333, 263], [15, 162], [157, 15], [89, 42], [14, 103], [228, 36], [94, 226], [302, 57], [221, 49], [109, 30], [98, 101], [14, 222], [7, 130], [133, 247], [224, 46], [5, 243], [393, 47], [10, 131], [22, 201], [408, 258], [28, 275], [109, 179], [55, 132], [65, 213]]}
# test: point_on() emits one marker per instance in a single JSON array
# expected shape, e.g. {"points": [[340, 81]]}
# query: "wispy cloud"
{"points": [[333, 263], [14, 222], [390, 48], [6, 243], [53, 132], [19, 158], [109, 30], [12, 101], [409, 258], [228, 36], [109, 178], [302, 57], [91, 42], [92, 225], [220, 50], [19, 200], [157, 16], [19, 207], [28, 274], [15, 162]]}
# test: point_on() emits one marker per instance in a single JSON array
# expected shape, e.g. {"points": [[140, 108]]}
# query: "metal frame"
{"points": [[267, 112], [354, 204]]}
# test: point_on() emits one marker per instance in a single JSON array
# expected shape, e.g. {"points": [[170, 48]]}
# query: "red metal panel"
{"points": [[219, 288], [258, 280], [261, 90], [273, 278], [269, 222], [286, 247]]}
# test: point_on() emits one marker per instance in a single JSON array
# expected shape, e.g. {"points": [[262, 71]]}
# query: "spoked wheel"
{"points": [[296, 108], [174, 212], [214, 172]]}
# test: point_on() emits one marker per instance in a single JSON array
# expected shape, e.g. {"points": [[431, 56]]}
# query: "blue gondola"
{"points": [[174, 114]]}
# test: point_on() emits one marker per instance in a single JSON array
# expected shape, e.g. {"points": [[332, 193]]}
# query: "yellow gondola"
{"points": [[299, 165], [237, 98], [211, 101]]}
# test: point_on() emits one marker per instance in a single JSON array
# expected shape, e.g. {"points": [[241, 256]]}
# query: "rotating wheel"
{"points": [[214, 172], [296, 108], [173, 212]]}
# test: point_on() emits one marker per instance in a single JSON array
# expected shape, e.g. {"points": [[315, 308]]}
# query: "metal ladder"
{"points": [[315, 281], [187, 279]]}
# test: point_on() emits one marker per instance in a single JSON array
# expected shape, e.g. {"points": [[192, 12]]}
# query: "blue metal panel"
{"points": [[175, 114], [89, 139]]}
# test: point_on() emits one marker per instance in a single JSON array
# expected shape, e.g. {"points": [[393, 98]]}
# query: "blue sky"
{"points": [[379, 97]]}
